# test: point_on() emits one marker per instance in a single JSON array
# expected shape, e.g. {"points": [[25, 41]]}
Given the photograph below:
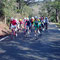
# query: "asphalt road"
{"points": [[43, 47]]}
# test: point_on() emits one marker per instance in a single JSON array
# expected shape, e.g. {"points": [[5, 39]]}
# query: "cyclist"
{"points": [[25, 24], [39, 25], [46, 23], [28, 25], [36, 25], [32, 20], [13, 25], [21, 22], [42, 23]]}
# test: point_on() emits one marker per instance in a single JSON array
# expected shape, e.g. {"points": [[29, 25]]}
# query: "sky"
{"points": [[38, 0], [42, 0]]}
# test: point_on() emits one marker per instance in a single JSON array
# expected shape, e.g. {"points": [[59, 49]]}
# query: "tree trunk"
{"points": [[5, 19], [19, 5], [56, 15], [58, 19]]}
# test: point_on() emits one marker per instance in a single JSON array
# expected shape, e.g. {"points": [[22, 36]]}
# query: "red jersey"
{"points": [[13, 22], [32, 20]]}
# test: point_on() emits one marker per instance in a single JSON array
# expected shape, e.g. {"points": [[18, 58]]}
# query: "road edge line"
{"points": [[3, 38]]}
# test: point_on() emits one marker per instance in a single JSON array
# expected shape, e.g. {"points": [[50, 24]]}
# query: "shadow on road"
{"points": [[46, 47]]}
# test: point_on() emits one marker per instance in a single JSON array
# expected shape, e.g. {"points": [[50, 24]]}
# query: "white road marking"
{"points": [[59, 29], [3, 38]]}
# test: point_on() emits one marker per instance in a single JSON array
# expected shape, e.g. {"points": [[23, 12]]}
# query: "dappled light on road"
{"points": [[44, 47]]}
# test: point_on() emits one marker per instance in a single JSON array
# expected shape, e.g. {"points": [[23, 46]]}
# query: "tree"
{"points": [[27, 11], [21, 5], [1, 8], [24, 9], [8, 8], [55, 5]]}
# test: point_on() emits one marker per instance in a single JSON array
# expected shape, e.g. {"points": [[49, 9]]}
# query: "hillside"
{"points": [[4, 29]]}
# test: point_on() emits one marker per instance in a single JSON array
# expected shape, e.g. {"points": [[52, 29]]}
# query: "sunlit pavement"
{"points": [[43, 47]]}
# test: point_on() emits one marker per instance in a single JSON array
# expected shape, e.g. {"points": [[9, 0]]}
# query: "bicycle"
{"points": [[46, 26], [14, 33]]}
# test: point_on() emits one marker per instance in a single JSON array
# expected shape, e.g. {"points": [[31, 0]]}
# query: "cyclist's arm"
{"points": [[10, 25]]}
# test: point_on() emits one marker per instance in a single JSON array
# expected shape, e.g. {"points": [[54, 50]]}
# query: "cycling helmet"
{"points": [[11, 18], [36, 17], [46, 17], [28, 19], [16, 19], [20, 20], [32, 17]]}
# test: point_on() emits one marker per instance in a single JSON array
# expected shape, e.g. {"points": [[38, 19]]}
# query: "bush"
{"points": [[18, 10], [52, 19]]}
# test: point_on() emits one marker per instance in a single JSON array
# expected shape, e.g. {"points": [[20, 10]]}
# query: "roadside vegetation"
{"points": [[20, 9], [58, 25]]}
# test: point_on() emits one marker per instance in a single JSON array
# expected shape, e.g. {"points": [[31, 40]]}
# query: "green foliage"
{"points": [[52, 19], [24, 9], [18, 10], [21, 4], [55, 4], [53, 9], [9, 8], [27, 10], [1, 9]]}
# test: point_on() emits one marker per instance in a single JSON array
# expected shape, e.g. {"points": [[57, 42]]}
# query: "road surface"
{"points": [[43, 47]]}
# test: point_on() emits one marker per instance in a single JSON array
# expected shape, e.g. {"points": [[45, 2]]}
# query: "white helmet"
{"points": [[32, 18], [28, 19], [16, 19], [36, 17], [11, 18], [24, 18]]}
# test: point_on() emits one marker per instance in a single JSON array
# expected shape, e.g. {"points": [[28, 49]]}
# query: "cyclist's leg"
{"points": [[35, 30], [12, 32], [43, 26], [15, 30], [46, 26], [28, 30], [38, 28]]}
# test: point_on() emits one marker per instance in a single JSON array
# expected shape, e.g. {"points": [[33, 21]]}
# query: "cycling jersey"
{"points": [[21, 22], [28, 23], [46, 20], [32, 21], [39, 24], [13, 22], [36, 25]]}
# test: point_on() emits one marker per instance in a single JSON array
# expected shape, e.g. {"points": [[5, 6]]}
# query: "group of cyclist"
{"points": [[39, 24]]}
